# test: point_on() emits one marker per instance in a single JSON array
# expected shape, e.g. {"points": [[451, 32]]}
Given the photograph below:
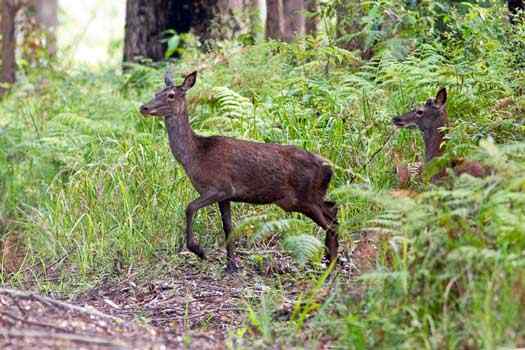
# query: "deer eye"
{"points": [[171, 95], [419, 113]]}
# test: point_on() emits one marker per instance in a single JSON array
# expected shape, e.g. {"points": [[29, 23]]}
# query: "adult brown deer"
{"points": [[225, 170], [431, 118]]}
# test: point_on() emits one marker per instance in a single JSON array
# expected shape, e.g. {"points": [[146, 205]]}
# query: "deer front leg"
{"points": [[331, 244], [328, 222], [225, 208], [201, 202]]}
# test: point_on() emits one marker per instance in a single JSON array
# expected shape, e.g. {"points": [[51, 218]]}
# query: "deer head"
{"points": [[172, 99], [430, 116]]}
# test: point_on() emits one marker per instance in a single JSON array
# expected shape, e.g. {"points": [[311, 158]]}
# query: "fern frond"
{"points": [[231, 104], [303, 247]]}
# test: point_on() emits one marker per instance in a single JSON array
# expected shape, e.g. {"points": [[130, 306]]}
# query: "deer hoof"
{"points": [[328, 260], [331, 247], [197, 250], [232, 266], [331, 256]]}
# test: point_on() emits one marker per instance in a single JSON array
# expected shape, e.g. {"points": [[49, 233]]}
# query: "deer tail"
{"points": [[326, 176]]}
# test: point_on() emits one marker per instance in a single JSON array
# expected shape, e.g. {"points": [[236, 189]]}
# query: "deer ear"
{"points": [[441, 97], [168, 80], [189, 81]]}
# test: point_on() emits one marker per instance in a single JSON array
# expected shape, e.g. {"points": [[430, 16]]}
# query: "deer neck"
{"points": [[181, 137], [433, 141]]}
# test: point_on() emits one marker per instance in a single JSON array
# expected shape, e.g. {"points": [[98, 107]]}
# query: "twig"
{"points": [[46, 269], [19, 307], [259, 251], [9, 322], [64, 336], [379, 150], [58, 303]]}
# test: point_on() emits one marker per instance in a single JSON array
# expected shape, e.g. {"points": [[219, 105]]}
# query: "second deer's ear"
{"points": [[189, 81], [441, 97]]}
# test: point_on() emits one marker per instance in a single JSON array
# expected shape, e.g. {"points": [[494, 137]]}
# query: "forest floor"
{"points": [[193, 305]]}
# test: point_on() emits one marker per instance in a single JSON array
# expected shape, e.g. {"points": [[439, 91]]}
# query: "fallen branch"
{"points": [[19, 307], [64, 337], [5, 315], [61, 304]]}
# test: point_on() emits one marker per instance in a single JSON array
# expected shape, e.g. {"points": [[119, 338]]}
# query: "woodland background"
{"points": [[92, 202]]}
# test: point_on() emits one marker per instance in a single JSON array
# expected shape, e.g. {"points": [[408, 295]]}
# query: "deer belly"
{"points": [[259, 193]]}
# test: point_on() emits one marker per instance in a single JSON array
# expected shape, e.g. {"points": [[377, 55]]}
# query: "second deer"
{"points": [[225, 170], [431, 118]]}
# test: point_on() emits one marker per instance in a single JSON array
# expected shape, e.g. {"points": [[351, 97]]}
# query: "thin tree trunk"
{"points": [[47, 17], [228, 18], [253, 7], [274, 14], [217, 19], [293, 11], [9, 10], [312, 18]]}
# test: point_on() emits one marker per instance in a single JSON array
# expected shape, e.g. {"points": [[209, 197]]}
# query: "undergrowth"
{"points": [[88, 187]]}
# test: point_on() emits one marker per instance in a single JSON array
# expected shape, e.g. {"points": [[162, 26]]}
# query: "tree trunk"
{"points": [[9, 10], [274, 14], [146, 20], [47, 18], [312, 18], [514, 7], [293, 11]]}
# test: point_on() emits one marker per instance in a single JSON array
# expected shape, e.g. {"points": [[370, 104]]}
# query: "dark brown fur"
{"points": [[431, 118], [225, 170]]}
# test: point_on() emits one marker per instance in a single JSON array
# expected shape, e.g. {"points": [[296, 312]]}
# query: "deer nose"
{"points": [[396, 120], [144, 109]]}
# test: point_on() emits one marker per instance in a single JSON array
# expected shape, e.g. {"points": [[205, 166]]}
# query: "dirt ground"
{"points": [[192, 306]]}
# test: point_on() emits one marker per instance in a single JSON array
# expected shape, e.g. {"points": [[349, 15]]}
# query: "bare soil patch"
{"points": [[193, 305], [190, 306]]}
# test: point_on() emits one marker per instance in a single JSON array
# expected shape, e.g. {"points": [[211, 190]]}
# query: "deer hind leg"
{"points": [[201, 202], [225, 209]]}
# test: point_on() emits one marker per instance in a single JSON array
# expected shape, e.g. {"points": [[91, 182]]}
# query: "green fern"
{"points": [[303, 247], [231, 104]]}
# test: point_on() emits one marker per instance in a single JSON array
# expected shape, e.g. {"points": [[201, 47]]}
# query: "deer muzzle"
{"points": [[149, 109], [401, 122]]}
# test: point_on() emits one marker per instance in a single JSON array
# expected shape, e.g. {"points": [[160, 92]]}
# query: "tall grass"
{"points": [[89, 187]]}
